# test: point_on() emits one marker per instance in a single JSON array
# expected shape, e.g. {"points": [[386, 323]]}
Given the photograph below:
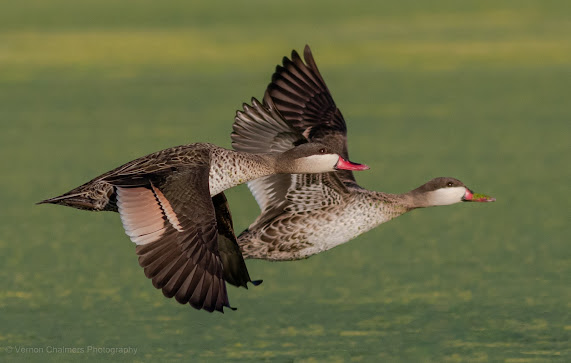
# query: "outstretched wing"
{"points": [[261, 128], [303, 99], [172, 220]]}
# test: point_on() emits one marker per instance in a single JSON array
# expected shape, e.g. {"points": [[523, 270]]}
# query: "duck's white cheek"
{"points": [[446, 196], [317, 163]]}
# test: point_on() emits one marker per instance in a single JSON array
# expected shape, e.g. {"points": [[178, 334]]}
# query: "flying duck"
{"points": [[172, 206], [303, 214]]}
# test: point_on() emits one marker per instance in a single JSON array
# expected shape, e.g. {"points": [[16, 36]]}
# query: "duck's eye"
{"points": [[322, 151], [449, 184]]}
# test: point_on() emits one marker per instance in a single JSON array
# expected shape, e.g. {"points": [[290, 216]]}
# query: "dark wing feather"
{"points": [[303, 99], [235, 271], [182, 256]]}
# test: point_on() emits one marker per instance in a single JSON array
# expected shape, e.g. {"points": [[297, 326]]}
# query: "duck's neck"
{"points": [[400, 203], [230, 168], [417, 199], [413, 200]]}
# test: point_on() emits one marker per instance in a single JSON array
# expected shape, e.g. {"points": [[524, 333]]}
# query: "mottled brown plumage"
{"points": [[302, 215], [172, 206]]}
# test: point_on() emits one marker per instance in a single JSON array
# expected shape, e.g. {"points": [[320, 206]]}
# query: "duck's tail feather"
{"points": [[86, 198]]}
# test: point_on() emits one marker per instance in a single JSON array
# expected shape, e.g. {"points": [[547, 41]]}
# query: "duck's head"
{"points": [[445, 191], [313, 157]]}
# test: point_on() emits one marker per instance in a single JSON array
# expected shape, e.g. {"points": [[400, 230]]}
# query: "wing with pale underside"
{"points": [[303, 99], [172, 219]]}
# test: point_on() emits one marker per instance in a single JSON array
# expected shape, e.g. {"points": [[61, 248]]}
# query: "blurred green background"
{"points": [[478, 90]]}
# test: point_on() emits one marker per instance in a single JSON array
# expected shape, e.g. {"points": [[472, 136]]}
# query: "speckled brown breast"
{"points": [[301, 233]]}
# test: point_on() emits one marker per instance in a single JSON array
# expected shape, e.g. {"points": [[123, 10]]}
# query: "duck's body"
{"points": [[306, 214], [307, 229], [172, 205]]}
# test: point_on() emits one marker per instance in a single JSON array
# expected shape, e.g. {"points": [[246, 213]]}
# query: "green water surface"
{"points": [[477, 90]]}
